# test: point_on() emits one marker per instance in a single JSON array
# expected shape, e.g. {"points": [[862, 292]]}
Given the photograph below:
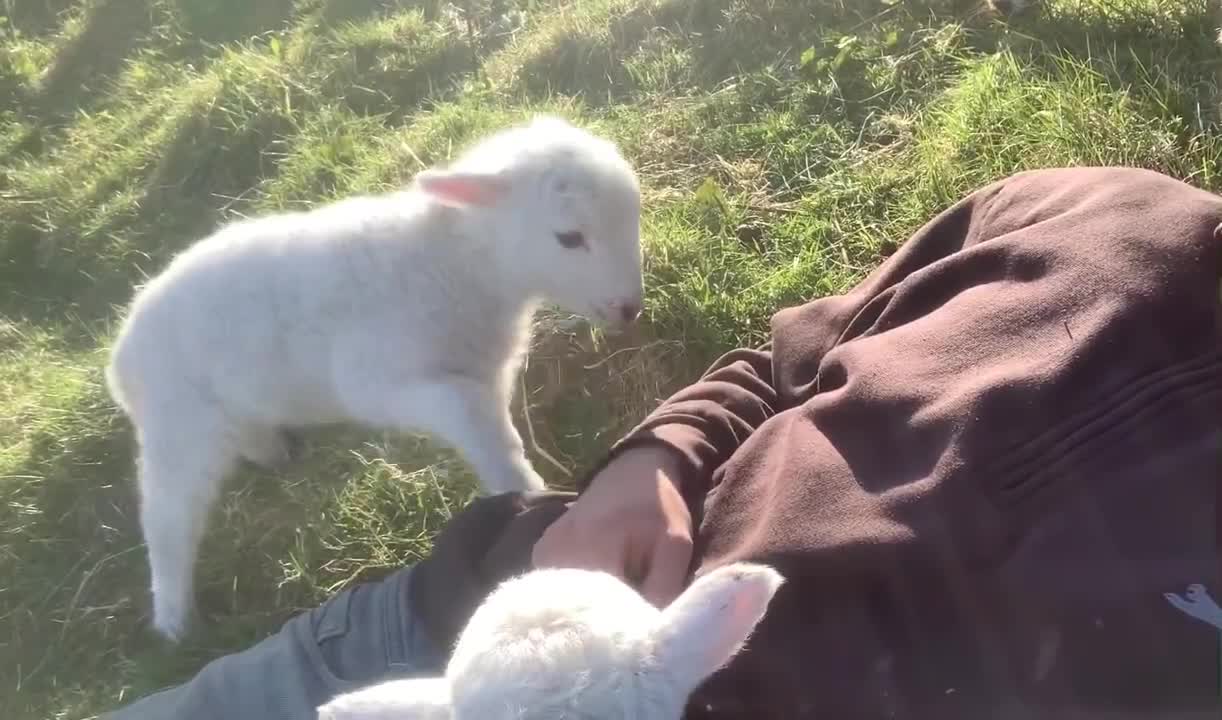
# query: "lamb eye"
{"points": [[571, 240]]}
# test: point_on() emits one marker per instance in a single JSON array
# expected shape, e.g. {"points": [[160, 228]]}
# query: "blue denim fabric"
{"points": [[362, 635]]}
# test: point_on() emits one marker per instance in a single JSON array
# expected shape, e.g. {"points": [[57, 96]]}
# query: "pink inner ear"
{"points": [[735, 617], [707, 625], [462, 188]]}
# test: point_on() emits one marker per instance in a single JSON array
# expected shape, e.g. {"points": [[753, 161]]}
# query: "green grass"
{"points": [[785, 147]]}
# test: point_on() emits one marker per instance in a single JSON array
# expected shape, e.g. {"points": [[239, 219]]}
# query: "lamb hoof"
{"points": [[173, 624]]}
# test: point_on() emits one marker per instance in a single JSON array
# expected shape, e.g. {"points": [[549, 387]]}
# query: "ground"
{"points": [[785, 148]]}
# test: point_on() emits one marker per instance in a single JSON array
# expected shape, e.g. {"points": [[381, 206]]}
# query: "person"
{"points": [[987, 472]]}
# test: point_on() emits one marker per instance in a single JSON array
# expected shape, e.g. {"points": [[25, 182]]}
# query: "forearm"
{"points": [[701, 425]]}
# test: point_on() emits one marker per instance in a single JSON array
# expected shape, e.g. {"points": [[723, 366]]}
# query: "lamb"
{"points": [[407, 311], [567, 643]]}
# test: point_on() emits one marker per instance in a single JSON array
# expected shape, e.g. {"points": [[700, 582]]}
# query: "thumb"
{"points": [[667, 569]]}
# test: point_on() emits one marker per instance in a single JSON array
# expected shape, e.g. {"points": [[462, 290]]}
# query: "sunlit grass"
{"points": [[785, 147]]}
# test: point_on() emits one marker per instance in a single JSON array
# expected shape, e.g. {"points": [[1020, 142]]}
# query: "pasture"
{"points": [[785, 148]]}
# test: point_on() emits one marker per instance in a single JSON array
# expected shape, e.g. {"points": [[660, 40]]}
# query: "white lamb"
{"points": [[408, 311], [574, 644]]}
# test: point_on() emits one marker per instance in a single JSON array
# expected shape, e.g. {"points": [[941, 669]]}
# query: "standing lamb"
{"points": [[563, 643], [408, 311]]}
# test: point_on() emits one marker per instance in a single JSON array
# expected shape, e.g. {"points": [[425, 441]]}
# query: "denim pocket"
{"points": [[351, 632], [368, 633], [329, 621], [345, 639]]}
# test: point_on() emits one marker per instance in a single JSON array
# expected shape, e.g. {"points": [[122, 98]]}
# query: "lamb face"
{"points": [[566, 208]]}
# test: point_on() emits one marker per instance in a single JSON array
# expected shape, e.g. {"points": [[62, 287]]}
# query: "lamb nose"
{"points": [[630, 311]]}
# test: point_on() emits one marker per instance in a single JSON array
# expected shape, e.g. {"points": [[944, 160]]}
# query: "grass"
{"points": [[785, 147]]}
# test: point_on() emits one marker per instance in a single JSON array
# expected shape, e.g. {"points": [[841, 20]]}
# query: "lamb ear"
{"points": [[459, 188], [415, 699], [708, 624]]}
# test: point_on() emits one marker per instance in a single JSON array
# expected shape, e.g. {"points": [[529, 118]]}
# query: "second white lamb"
{"points": [[571, 643]]}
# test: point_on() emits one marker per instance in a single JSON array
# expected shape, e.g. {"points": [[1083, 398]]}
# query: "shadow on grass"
{"points": [[594, 54], [80, 296], [71, 561], [391, 67], [604, 56], [75, 608], [194, 32], [1174, 56], [207, 163], [36, 19], [78, 247], [215, 22], [111, 30]]}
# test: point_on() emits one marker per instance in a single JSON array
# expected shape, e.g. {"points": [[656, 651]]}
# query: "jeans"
{"points": [[362, 635]]}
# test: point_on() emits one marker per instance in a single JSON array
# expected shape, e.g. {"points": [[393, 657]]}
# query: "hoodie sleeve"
{"points": [[705, 422]]}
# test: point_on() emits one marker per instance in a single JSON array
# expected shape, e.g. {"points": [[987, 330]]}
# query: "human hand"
{"points": [[631, 522]]}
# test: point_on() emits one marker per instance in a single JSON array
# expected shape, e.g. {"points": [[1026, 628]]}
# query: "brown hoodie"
{"points": [[980, 470]]}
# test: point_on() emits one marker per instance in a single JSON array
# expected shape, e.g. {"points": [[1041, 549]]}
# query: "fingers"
{"points": [[667, 571]]}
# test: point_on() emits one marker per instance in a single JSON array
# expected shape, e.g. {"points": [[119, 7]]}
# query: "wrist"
{"points": [[650, 460], [641, 456]]}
